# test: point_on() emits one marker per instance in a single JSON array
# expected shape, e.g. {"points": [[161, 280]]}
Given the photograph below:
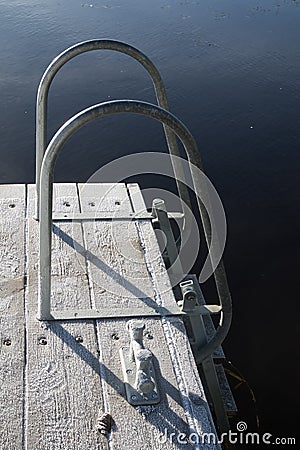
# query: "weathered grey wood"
{"points": [[63, 389], [142, 277], [121, 260], [189, 383], [73, 369], [12, 345], [119, 257], [160, 280]]}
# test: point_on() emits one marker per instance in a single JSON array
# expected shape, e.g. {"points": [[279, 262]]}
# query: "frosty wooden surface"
{"points": [[58, 376], [63, 393], [131, 252], [12, 233]]}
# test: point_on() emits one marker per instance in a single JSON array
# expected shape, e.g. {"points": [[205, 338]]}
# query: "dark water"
{"points": [[231, 70]]}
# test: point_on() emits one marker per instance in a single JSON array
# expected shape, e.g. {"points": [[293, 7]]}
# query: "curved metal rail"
{"points": [[46, 200], [102, 44]]}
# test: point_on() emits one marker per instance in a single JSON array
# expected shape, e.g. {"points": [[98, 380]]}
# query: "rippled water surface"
{"points": [[231, 70]]}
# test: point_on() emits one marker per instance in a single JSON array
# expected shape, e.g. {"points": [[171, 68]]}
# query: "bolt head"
{"points": [[42, 341]]}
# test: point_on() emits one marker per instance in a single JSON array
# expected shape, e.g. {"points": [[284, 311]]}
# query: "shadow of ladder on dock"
{"points": [[58, 375]]}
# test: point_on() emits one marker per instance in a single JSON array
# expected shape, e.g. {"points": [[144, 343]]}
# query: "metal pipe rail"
{"points": [[101, 44], [46, 200]]}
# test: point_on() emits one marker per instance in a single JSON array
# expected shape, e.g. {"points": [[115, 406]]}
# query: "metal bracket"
{"points": [[190, 300], [161, 215], [190, 305], [138, 368], [142, 311], [191, 295], [109, 215]]}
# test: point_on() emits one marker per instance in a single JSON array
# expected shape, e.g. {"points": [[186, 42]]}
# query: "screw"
{"points": [[42, 341], [91, 204], [117, 202], [129, 371], [7, 342], [79, 339], [190, 297], [149, 336], [11, 205], [115, 337], [133, 397]]}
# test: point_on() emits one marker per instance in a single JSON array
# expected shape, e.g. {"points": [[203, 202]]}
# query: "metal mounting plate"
{"points": [[143, 311], [134, 397], [104, 215]]}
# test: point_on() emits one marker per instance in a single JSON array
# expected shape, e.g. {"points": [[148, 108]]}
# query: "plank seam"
{"points": [[90, 285], [26, 238], [102, 374]]}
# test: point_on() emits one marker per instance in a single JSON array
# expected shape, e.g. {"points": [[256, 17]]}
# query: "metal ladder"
{"points": [[45, 161]]}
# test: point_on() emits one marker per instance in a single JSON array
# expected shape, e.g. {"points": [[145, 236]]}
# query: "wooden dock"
{"points": [[57, 377]]}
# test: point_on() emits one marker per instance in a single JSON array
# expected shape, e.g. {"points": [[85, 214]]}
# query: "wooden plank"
{"points": [[118, 255], [63, 388], [179, 347], [122, 263], [12, 339], [141, 273], [163, 290]]}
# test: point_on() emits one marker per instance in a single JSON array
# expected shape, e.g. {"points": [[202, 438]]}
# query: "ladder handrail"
{"points": [[46, 201], [102, 44]]}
